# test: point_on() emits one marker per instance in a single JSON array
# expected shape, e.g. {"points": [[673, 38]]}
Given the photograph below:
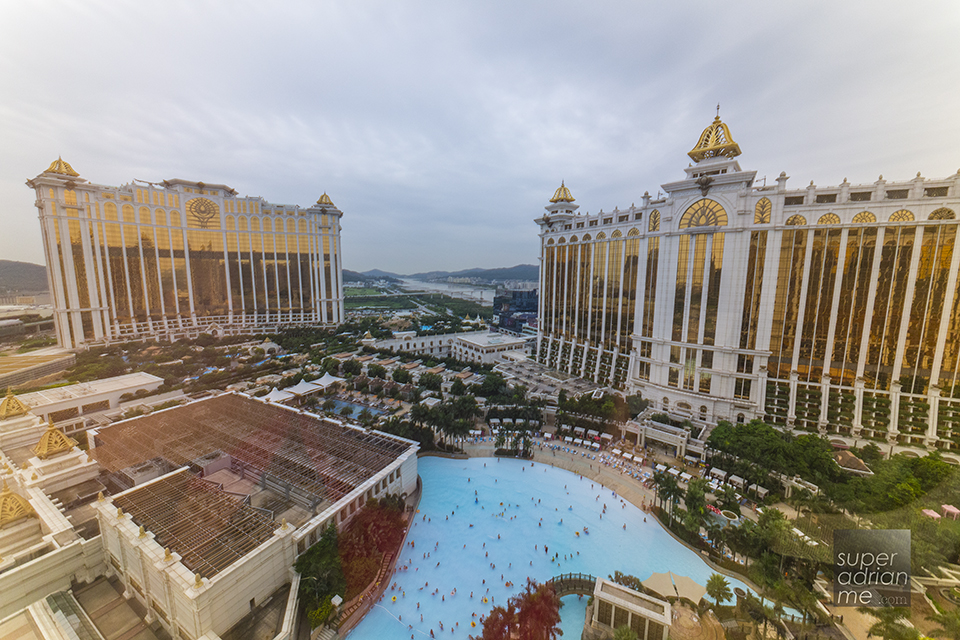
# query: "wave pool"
{"points": [[485, 525]]}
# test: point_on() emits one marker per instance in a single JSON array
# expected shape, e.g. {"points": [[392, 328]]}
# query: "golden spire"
{"points": [[61, 167], [562, 194], [13, 506], [11, 406], [53, 442], [325, 199], [715, 141]]}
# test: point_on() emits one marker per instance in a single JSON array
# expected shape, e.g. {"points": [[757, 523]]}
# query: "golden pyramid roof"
{"points": [[53, 442], [13, 506], [11, 406], [715, 141], [61, 167], [562, 194], [325, 199]]}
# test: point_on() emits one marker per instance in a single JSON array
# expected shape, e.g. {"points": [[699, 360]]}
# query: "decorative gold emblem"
{"points": [[10, 406], [13, 506], [202, 212], [562, 194], [715, 141]]}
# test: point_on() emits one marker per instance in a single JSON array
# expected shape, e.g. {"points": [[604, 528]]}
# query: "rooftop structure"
{"points": [[317, 460], [178, 258], [210, 529], [21, 369]]}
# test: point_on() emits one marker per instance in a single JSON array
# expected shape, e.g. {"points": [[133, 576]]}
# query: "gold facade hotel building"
{"points": [[824, 309], [180, 258]]}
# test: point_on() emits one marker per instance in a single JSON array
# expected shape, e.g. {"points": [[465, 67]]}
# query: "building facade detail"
{"points": [[179, 258], [825, 309]]}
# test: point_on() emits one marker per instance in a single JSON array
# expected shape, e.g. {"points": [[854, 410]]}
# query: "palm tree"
{"points": [[718, 588], [889, 624], [419, 413], [624, 633], [949, 624]]}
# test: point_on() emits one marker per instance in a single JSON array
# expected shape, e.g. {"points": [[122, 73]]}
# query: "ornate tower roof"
{"points": [[13, 506], [715, 141], [61, 167], [53, 442], [11, 407], [562, 194], [325, 199]]}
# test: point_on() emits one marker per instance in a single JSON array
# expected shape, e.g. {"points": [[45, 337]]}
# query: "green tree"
{"points": [[329, 405], [624, 633], [949, 625], [458, 388], [718, 588], [352, 367], [431, 381], [346, 411], [401, 376], [538, 608], [377, 371], [890, 623], [695, 501]]}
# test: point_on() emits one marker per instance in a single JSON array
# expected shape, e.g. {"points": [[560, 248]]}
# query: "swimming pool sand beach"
{"points": [[485, 525]]}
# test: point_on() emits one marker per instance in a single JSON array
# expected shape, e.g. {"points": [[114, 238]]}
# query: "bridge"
{"points": [[573, 583]]}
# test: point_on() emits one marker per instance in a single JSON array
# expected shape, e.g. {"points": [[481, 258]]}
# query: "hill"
{"points": [[519, 272], [22, 277]]}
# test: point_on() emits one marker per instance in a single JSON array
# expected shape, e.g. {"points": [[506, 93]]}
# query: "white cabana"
{"points": [[303, 388], [617, 452], [673, 472], [606, 436], [691, 459], [737, 481], [578, 442], [628, 456], [686, 477], [579, 430], [719, 474], [661, 467], [592, 433], [327, 380], [595, 446], [567, 439], [277, 396]]}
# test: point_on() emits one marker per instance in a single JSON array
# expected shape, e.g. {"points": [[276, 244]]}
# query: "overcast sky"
{"points": [[441, 129]]}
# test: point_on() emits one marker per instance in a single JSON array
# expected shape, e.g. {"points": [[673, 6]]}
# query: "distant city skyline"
{"points": [[441, 131]]}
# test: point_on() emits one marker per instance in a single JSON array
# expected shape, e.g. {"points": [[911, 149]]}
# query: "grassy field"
{"points": [[378, 302], [354, 292]]}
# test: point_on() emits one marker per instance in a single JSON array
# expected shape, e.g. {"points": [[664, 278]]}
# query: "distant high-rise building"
{"points": [[828, 309], [180, 258]]}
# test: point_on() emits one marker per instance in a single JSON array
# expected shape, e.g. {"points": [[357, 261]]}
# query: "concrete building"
{"points": [[486, 347], [615, 606], [67, 406], [180, 258], [824, 309]]}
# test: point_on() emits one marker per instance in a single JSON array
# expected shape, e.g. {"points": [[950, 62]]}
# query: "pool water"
{"points": [[473, 540], [357, 408]]}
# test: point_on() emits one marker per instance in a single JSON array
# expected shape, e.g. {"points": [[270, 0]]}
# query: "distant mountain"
{"points": [[353, 276], [22, 277], [519, 272], [377, 273]]}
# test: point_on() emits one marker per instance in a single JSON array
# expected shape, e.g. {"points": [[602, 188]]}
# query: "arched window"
{"points": [[761, 213], [562, 241], [110, 211], [586, 237], [829, 218], [633, 232], [704, 213], [943, 214], [550, 241], [616, 234], [864, 216], [796, 220], [160, 217], [128, 215], [703, 411], [666, 401], [574, 239], [902, 216], [601, 236], [654, 224], [230, 223], [243, 223], [144, 215], [741, 418]]}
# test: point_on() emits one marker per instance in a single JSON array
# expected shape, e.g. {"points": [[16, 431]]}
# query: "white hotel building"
{"points": [[828, 309], [178, 258]]}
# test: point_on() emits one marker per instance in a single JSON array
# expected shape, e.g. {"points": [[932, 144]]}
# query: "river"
{"points": [[464, 291]]}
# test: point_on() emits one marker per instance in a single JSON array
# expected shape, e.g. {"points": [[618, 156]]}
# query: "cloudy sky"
{"points": [[441, 129]]}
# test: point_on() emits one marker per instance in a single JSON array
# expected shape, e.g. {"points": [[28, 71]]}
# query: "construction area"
{"points": [[289, 463], [210, 529]]}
